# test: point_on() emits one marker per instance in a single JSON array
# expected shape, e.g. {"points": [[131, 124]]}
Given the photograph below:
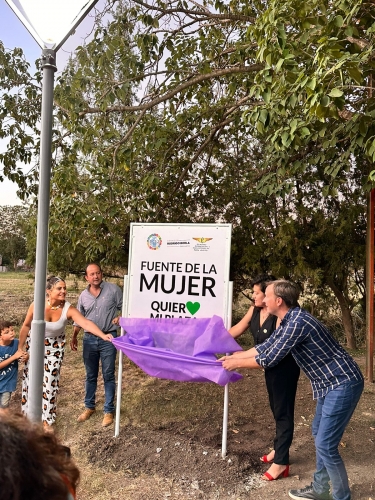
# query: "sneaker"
{"points": [[308, 493], [107, 420], [85, 415]]}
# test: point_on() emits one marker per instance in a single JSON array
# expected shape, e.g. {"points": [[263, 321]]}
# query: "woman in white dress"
{"points": [[57, 313]]}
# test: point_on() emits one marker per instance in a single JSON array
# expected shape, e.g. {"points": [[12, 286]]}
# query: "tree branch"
{"points": [[189, 83], [204, 14]]}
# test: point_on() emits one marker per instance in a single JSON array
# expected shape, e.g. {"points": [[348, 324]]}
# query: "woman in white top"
{"points": [[57, 313]]}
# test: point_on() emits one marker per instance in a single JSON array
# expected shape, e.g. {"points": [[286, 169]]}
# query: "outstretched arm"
{"points": [[234, 362], [86, 324], [17, 355], [240, 355]]}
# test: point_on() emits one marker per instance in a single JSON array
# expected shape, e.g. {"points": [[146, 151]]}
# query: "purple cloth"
{"points": [[181, 349]]}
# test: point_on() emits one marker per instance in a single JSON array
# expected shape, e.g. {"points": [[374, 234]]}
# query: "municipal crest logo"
{"points": [[154, 241]]}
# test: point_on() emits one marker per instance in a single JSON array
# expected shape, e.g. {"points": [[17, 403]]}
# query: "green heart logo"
{"points": [[193, 307]]}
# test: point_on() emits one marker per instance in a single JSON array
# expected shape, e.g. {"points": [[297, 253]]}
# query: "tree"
{"points": [[182, 111], [20, 100], [315, 89], [304, 237], [12, 239], [299, 74], [325, 242]]}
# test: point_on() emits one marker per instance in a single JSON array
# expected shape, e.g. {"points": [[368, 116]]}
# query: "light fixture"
{"points": [[51, 22]]}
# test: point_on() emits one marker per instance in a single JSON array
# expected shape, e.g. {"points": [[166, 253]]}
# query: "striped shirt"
{"points": [[316, 352]]}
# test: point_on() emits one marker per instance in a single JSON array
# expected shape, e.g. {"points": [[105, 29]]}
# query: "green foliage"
{"points": [[316, 84], [19, 115], [259, 114], [126, 157], [12, 239]]}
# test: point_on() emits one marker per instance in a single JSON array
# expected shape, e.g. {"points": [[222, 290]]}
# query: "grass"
{"points": [[17, 293]]}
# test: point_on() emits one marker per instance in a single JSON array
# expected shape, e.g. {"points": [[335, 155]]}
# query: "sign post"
{"points": [[177, 271]]}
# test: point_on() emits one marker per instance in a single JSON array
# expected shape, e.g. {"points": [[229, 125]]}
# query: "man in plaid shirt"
{"points": [[336, 381]]}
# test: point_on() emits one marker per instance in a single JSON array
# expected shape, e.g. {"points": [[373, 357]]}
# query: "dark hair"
{"points": [[262, 280], [5, 324], [287, 291], [33, 465], [52, 280], [92, 264]]}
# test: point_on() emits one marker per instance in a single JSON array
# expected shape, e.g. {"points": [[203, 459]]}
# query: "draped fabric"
{"points": [[181, 349]]}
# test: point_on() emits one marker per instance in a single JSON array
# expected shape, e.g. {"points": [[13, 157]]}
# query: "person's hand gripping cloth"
{"points": [[181, 349]]}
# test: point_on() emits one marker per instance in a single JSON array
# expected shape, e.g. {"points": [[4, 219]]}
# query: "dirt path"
{"points": [[170, 441]]}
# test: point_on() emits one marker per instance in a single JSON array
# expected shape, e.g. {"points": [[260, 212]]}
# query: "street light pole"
{"points": [[50, 23], [38, 325]]}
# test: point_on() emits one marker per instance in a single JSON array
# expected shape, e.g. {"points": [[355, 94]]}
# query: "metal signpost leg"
{"points": [[226, 388], [125, 298]]}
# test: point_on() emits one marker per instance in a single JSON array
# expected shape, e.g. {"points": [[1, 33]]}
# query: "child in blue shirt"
{"points": [[9, 356]]}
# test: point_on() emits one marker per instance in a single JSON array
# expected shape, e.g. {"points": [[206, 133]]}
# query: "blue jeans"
{"points": [[95, 349], [333, 412]]}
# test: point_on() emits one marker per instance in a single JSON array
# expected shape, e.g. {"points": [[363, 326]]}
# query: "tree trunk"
{"points": [[347, 319]]}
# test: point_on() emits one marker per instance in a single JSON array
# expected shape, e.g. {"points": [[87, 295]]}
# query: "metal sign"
{"points": [[178, 270]]}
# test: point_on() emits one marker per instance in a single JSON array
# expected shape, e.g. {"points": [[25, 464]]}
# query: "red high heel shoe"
{"points": [[264, 460], [284, 473]]}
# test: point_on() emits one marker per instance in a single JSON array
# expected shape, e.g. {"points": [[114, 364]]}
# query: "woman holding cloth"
{"points": [[281, 380], [56, 314]]}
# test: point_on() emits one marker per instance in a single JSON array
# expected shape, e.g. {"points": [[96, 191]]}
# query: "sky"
{"points": [[14, 34]]}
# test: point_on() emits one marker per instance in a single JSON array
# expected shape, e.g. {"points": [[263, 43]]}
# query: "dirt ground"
{"points": [[169, 446]]}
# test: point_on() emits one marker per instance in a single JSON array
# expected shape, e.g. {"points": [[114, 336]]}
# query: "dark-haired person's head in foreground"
{"points": [[33, 464]]}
